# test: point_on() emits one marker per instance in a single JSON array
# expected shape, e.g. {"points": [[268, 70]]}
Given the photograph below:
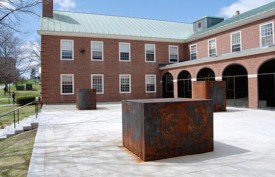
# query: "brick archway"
{"points": [[206, 73], [236, 78], [167, 85], [266, 84], [184, 84]]}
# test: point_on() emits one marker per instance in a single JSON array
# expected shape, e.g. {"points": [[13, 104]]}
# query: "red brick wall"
{"points": [[249, 36], [82, 67]]}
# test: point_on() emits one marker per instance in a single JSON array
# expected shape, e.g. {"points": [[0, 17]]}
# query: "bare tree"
{"points": [[27, 55], [29, 58], [10, 11], [9, 44]]}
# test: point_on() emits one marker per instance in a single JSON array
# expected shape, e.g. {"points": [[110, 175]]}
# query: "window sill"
{"points": [[67, 94]]}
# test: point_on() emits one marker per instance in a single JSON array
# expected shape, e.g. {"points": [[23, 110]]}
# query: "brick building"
{"points": [[129, 58]]}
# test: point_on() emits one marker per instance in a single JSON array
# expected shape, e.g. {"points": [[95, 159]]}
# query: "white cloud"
{"points": [[242, 6], [65, 4], [4, 4]]}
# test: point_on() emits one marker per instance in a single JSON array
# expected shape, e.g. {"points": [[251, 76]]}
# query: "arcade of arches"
{"points": [[249, 82]]}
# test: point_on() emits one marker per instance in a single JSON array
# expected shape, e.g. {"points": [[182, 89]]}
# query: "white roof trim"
{"points": [[109, 36], [228, 56]]}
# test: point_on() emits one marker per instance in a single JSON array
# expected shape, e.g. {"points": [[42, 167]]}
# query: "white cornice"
{"points": [[228, 56], [108, 36]]}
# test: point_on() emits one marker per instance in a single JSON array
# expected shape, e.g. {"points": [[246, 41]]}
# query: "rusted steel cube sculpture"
{"points": [[214, 90], [164, 128], [86, 99]]}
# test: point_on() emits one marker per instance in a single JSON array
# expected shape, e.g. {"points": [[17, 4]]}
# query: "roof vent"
{"points": [[237, 13]]}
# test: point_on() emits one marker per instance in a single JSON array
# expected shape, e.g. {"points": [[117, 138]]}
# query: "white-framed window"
{"points": [[150, 83], [97, 51], [125, 83], [267, 34], [212, 48], [67, 84], [124, 51], [66, 49], [97, 82], [193, 52], [173, 54], [236, 41], [150, 52]]}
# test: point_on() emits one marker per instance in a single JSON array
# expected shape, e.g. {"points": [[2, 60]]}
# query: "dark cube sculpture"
{"points": [[163, 128], [28, 86], [86, 99], [215, 90]]}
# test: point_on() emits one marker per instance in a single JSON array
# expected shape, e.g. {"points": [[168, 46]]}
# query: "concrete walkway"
{"points": [[71, 143]]}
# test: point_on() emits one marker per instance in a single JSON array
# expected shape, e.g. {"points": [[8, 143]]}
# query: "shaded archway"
{"points": [[266, 84], [167, 86], [184, 85], [236, 85], [206, 74]]}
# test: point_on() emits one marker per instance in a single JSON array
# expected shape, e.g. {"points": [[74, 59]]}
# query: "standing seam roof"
{"points": [[73, 22]]}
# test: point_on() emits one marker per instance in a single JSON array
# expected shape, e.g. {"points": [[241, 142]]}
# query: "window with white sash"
{"points": [[212, 49], [67, 84], [97, 81], [124, 51], [193, 52], [236, 41], [67, 49], [150, 52], [267, 34], [97, 50], [150, 83], [173, 54], [125, 83]]}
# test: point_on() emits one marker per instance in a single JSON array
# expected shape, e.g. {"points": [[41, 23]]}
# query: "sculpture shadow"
{"points": [[220, 150]]}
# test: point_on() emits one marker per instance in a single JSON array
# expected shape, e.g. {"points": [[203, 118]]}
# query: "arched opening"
{"points": [[236, 80], [206, 74], [266, 84], [184, 85], [167, 86]]}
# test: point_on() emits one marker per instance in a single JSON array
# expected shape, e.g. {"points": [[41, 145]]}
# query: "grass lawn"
{"points": [[15, 154], [25, 112], [8, 120], [35, 92]]}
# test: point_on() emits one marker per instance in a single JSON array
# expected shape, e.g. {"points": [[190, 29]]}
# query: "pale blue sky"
{"points": [[171, 10]]}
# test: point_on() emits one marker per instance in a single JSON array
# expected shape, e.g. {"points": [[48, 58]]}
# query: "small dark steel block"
{"points": [[164, 128], [28, 86], [214, 90], [86, 99]]}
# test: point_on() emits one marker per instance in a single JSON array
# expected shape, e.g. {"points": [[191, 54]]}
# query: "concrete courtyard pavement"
{"points": [[72, 143]]}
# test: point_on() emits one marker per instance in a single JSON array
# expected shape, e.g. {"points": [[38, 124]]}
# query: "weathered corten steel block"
{"points": [[163, 128], [86, 99], [214, 90]]}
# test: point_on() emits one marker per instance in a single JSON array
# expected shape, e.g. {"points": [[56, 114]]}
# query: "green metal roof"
{"points": [[238, 18], [72, 22]]}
